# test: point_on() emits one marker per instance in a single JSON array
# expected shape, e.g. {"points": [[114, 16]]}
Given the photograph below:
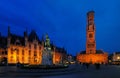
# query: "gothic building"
{"points": [[91, 55], [27, 49], [3, 49]]}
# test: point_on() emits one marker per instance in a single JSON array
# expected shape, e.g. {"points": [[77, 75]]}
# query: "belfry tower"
{"points": [[90, 34]]}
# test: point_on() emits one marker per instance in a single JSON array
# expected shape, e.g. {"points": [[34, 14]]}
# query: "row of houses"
{"points": [[114, 58]]}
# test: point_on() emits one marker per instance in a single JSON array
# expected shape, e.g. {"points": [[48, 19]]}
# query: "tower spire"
{"points": [[8, 31]]}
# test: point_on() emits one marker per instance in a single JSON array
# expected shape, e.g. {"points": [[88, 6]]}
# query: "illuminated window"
{"points": [[35, 46], [91, 45], [40, 47], [35, 53], [35, 59], [90, 51], [29, 52], [11, 49], [90, 35], [29, 46], [22, 58], [22, 52], [17, 52], [11, 52], [29, 59], [11, 59]]}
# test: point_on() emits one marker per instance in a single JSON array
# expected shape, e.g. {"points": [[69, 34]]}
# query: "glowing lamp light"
{"points": [[118, 57]]}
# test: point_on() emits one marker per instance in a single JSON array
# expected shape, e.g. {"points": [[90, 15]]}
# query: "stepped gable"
{"points": [[33, 36]]}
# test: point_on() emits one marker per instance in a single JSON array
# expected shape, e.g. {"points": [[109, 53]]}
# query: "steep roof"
{"points": [[61, 50], [15, 39], [3, 42], [32, 36]]}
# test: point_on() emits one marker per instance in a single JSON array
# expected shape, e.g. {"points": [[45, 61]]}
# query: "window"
{"points": [[11, 49], [22, 58], [40, 47], [11, 59], [2, 52], [90, 21], [29, 52], [90, 35], [35, 53], [90, 51], [11, 52], [22, 52], [35, 59], [35, 46], [91, 45], [5, 52], [29, 46], [17, 52]]}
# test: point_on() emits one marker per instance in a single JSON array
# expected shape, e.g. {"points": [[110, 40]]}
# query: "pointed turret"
{"points": [[26, 37], [9, 37]]}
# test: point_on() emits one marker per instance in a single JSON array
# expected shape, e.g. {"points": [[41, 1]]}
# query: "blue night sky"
{"points": [[64, 21]]}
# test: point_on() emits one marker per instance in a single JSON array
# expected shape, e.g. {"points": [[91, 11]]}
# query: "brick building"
{"points": [[91, 55]]}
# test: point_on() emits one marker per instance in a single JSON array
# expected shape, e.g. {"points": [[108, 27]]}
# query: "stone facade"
{"points": [[27, 49]]}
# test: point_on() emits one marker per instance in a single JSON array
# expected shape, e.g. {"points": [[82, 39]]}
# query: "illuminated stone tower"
{"points": [[90, 34]]}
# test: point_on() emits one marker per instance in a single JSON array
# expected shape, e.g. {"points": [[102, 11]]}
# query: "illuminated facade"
{"points": [[3, 49], [91, 55], [116, 56], [29, 49], [25, 50], [59, 55]]}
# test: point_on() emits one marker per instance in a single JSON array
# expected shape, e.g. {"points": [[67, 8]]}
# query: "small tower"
{"points": [[9, 37], [26, 37], [90, 34]]}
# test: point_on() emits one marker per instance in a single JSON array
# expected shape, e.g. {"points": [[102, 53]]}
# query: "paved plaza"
{"points": [[74, 71]]}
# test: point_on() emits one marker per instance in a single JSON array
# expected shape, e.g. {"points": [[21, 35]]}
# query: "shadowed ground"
{"points": [[76, 71]]}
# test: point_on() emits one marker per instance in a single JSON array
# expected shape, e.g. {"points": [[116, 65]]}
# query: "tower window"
{"points": [[91, 45], [35, 46], [90, 51], [90, 35]]}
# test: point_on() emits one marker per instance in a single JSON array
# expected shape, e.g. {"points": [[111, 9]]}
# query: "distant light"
{"points": [[118, 57]]}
